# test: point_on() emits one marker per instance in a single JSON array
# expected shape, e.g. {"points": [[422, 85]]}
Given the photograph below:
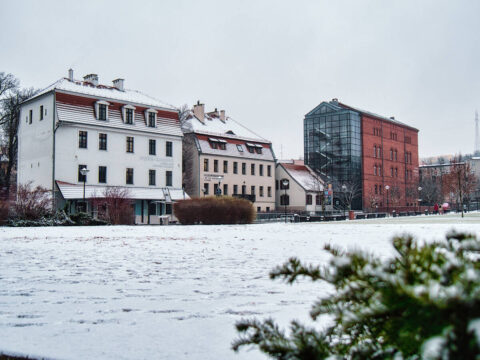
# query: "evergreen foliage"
{"points": [[424, 303], [214, 210]]}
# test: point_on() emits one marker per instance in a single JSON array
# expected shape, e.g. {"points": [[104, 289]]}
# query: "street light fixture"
{"points": [[387, 187], [344, 189], [84, 171], [285, 183], [419, 199], [219, 190]]}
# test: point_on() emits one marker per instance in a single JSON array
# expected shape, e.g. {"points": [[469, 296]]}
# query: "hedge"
{"points": [[214, 210]]}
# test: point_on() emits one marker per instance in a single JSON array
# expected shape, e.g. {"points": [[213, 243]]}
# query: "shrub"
{"points": [[114, 206], [424, 303], [214, 210], [82, 218], [32, 204], [59, 218]]}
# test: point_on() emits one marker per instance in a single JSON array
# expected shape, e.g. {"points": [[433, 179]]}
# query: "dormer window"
{"points": [[101, 110], [217, 143], [239, 148], [151, 116], [128, 112], [258, 149], [250, 147]]}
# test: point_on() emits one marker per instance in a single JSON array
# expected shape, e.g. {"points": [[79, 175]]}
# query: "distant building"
{"points": [[305, 191], [359, 148], [221, 156], [122, 137]]}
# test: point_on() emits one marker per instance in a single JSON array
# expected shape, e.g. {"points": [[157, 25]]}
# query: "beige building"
{"points": [[305, 192], [222, 157]]}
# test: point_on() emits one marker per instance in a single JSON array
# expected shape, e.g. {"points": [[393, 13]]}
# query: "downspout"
{"points": [[54, 128]]}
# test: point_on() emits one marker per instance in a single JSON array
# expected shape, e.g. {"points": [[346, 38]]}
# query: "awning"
{"points": [[75, 191]]}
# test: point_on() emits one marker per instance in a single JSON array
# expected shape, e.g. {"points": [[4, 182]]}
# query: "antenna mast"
{"points": [[477, 135]]}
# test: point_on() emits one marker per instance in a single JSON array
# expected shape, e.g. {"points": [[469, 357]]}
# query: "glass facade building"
{"points": [[333, 146]]}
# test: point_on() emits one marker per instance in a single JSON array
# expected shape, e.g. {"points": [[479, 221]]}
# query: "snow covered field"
{"points": [[168, 292]]}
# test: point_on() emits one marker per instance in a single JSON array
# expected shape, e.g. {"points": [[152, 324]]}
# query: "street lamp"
{"points": [[419, 199], [387, 188], [84, 171], [219, 190], [285, 183], [344, 189]]}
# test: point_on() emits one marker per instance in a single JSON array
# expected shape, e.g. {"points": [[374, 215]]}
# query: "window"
{"points": [[276, 184], [235, 189], [374, 150], [391, 172], [152, 147], [408, 139], [151, 119], [309, 199], [128, 116], [168, 148], [269, 191], [269, 170], [41, 112], [261, 191], [252, 189], [395, 155], [318, 200], [151, 177], [216, 189], [82, 178], [244, 169], [205, 164], [258, 149], [215, 165], [225, 189], [379, 152], [30, 116], [82, 139], [129, 144], [239, 148], [129, 176], [213, 144], [168, 178], [102, 111], [235, 167], [225, 166], [374, 169], [222, 145], [379, 170], [284, 199], [396, 172], [376, 189], [102, 174], [250, 148], [252, 169], [102, 141], [205, 188], [391, 154], [244, 189], [260, 169]]}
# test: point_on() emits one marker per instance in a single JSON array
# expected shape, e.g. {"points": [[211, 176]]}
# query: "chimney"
{"points": [[392, 117], [199, 111], [118, 84], [335, 101], [216, 113], [70, 74], [222, 115], [91, 78]]}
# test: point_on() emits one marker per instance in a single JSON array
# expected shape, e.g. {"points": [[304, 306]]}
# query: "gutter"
{"points": [[54, 130]]}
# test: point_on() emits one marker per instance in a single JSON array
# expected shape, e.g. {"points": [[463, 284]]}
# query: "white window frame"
{"points": [[124, 113], [147, 112], [97, 109]]}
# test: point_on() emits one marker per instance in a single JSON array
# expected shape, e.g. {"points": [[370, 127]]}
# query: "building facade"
{"points": [[122, 137], [306, 192], [360, 149], [223, 157]]}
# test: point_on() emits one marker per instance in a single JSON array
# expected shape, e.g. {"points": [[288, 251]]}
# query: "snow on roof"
{"points": [[304, 176], [74, 191], [213, 125], [231, 149], [106, 92]]}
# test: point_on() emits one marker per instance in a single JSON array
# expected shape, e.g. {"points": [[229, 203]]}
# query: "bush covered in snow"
{"points": [[215, 210], [424, 303]]}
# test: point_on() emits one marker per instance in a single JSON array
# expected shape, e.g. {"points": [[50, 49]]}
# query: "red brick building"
{"points": [[357, 148]]}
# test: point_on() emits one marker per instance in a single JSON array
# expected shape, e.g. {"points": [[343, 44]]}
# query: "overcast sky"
{"points": [[267, 63]]}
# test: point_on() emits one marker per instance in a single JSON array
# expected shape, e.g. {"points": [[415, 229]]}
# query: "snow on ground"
{"points": [[169, 292]]}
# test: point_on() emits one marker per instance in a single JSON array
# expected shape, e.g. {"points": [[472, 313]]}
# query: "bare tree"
{"points": [[430, 183], [347, 192], [114, 205], [32, 203], [460, 182], [11, 98]]}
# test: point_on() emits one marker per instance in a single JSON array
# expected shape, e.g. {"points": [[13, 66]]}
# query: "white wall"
{"points": [[115, 158], [35, 143]]}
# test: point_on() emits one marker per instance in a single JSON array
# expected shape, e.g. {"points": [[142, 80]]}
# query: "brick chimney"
{"points": [[91, 78], [70, 74], [334, 101], [118, 84], [199, 111], [222, 115]]}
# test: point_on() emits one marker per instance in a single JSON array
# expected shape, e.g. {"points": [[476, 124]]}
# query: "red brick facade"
{"points": [[389, 157]]}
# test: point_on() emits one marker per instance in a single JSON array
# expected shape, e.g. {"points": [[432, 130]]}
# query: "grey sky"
{"points": [[267, 63]]}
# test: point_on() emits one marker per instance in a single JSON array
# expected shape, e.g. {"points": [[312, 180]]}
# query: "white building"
{"points": [[305, 191], [123, 137], [221, 156]]}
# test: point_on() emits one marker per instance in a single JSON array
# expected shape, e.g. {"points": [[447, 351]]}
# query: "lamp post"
{"points": [[285, 183], [84, 171], [219, 190], [344, 189], [419, 199], [387, 188]]}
